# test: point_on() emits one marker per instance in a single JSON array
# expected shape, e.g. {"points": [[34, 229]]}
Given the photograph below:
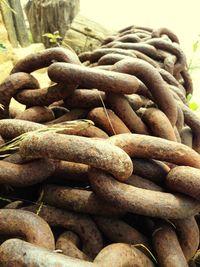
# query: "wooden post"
{"points": [[49, 16], [8, 21], [19, 22]]}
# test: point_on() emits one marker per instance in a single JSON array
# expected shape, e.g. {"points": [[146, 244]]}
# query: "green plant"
{"points": [[193, 65], [2, 47], [195, 47], [193, 105], [54, 38]]}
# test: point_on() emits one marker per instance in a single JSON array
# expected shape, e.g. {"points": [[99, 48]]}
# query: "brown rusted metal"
{"points": [[27, 225], [141, 182], [27, 174], [186, 136], [69, 243], [79, 149], [159, 124], [107, 120], [45, 96], [11, 85], [78, 200], [15, 252], [165, 31], [86, 77], [44, 58], [152, 79], [122, 108], [142, 201], [134, 86], [120, 254], [11, 128], [36, 114], [167, 247], [118, 231], [81, 224], [85, 98], [184, 179], [153, 170], [188, 235], [143, 146], [110, 59], [73, 114]]}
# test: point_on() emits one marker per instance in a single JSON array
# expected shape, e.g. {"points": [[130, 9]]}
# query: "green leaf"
{"points": [[193, 106], [189, 97], [57, 36], [2, 46], [53, 37], [194, 67], [49, 35], [195, 46]]}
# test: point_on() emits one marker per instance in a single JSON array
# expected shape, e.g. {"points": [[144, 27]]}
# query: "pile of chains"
{"points": [[102, 168]]}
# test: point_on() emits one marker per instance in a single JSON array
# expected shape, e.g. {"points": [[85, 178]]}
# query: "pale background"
{"points": [[183, 17]]}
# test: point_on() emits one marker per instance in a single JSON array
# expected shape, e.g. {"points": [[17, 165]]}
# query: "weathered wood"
{"points": [[49, 16], [8, 21], [19, 22], [85, 34]]}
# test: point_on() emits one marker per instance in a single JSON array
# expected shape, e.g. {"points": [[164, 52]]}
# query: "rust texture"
{"points": [[86, 77], [16, 252], [22, 175], [43, 59], [11, 85], [120, 181], [69, 243], [78, 200], [185, 180], [107, 120], [27, 225], [81, 224], [167, 247], [188, 236], [79, 149], [45, 96], [143, 146], [154, 82], [142, 201], [36, 114]]}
